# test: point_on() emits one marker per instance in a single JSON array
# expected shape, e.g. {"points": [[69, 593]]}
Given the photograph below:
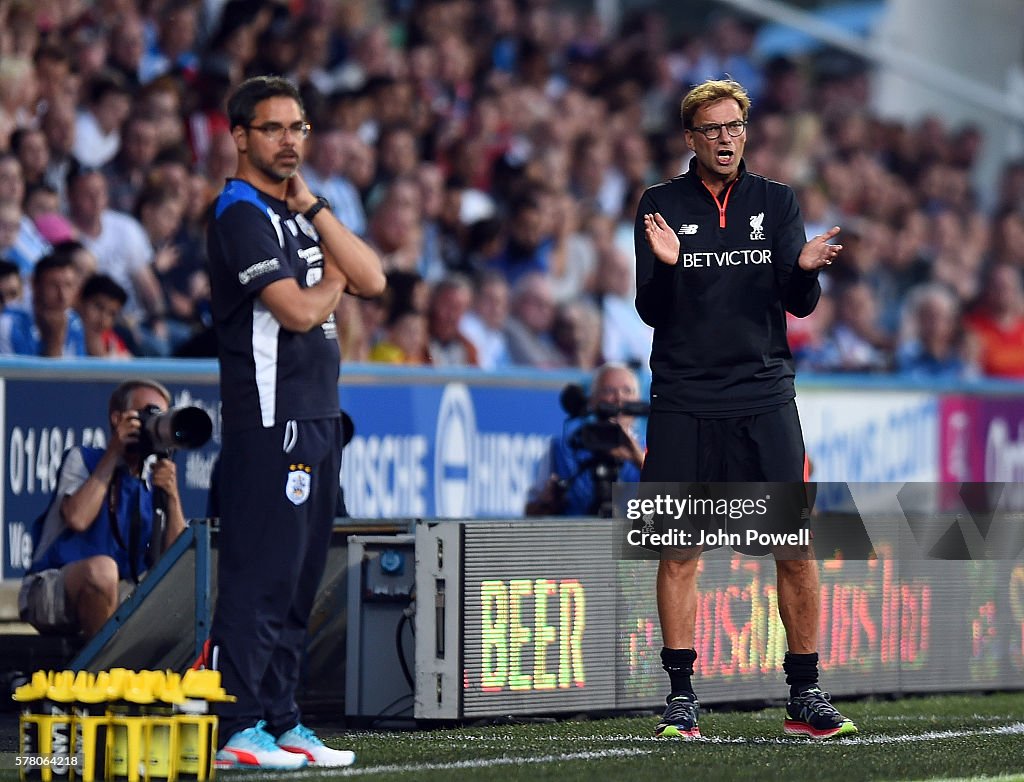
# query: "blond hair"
{"points": [[710, 91]]}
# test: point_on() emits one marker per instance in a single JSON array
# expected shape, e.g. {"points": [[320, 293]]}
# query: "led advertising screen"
{"points": [[545, 619]]}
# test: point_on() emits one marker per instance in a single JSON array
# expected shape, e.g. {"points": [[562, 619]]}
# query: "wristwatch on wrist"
{"points": [[314, 210]]}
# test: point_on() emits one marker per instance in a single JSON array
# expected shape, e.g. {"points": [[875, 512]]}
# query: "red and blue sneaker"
{"points": [[811, 714], [680, 718]]}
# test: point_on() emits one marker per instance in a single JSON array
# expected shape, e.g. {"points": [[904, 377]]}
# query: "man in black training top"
{"points": [[279, 263], [721, 257]]}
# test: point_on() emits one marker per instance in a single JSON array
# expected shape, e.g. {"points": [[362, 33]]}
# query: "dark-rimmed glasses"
{"points": [[712, 132], [275, 131]]}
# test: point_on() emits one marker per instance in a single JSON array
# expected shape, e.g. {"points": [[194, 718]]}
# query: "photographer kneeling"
{"points": [[95, 540], [597, 447]]}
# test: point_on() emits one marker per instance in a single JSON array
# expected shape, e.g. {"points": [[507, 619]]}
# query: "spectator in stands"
{"points": [[57, 82], [997, 324], [484, 324], [52, 328], [58, 124], [41, 200], [406, 291], [323, 173], [433, 263], [1008, 239], [127, 45], [530, 241], [83, 260], [449, 302], [1011, 187], [178, 263], [406, 340], [568, 482], [360, 166], [855, 343], [529, 326], [121, 248], [98, 127], [30, 147], [99, 306], [932, 344], [89, 50], [577, 333], [597, 185], [18, 89], [806, 336], [208, 122], [176, 37], [126, 173], [12, 288], [573, 257], [28, 245], [93, 543], [960, 241], [624, 337], [395, 229], [731, 41], [10, 222], [397, 154], [161, 101]]}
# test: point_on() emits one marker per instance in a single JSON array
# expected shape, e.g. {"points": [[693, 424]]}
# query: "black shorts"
{"points": [[762, 447], [737, 481]]}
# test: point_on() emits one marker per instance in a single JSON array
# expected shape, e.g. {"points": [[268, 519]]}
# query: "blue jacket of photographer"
{"points": [[577, 469]]}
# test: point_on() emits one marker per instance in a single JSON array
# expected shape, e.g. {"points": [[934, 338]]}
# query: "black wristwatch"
{"points": [[314, 210]]}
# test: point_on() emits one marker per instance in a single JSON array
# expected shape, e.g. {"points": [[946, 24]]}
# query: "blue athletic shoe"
{"points": [[255, 748], [303, 741]]}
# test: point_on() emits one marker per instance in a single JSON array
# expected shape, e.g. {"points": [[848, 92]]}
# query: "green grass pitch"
{"points": [[935, 738]]}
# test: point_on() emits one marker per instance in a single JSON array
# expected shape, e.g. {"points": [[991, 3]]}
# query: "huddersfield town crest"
{"points": [[296, 488]]}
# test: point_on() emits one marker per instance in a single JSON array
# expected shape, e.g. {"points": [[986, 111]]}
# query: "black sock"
{"points": [[801, 671], [679, 665]]}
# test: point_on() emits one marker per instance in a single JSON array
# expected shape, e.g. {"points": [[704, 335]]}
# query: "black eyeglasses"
{"points": [[275, 130], [711, 132]]}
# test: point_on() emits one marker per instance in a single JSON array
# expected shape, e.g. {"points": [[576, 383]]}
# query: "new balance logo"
{"points": [[687, 229]]}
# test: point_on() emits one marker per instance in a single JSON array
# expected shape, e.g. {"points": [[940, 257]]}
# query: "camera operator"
{"points": [[94, 541], [597, 447]]}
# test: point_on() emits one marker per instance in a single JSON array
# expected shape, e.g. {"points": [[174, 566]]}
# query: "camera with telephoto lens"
{"points": [[163, 431], [603, 434], [599, 434]]}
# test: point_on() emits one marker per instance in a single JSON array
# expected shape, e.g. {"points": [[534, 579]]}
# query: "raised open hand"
{"points": [[661, 238]]}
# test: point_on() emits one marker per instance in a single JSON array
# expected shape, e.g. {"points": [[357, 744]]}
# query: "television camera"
{"points": [[599, 435]]}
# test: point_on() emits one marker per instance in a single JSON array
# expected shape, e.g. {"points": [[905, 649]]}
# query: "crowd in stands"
{"points": [[493, 152]]}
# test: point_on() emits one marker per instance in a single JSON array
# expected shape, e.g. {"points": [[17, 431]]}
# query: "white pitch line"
{"points": [[870, 738], [484, 738], [313, 771], [1014, 729]]}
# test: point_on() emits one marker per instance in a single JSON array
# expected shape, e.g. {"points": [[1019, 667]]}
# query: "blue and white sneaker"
{"points": [[255, 748], [303, 742]]}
